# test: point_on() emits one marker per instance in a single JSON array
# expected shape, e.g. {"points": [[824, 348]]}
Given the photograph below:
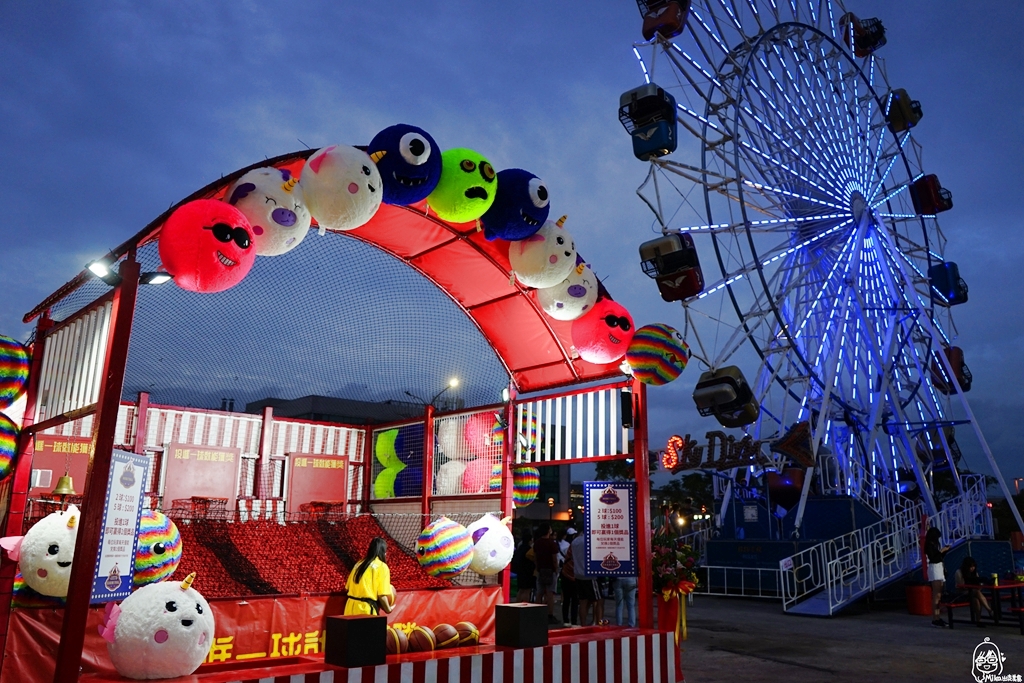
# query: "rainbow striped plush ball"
{"points": [[159, 549], [525, 485], [495, 483], [13, 371], [657, 354], [528, 434], [497, 434], [8, 446], [444, 548]]}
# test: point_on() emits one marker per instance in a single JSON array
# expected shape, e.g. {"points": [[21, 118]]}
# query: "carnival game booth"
{"points": [[272, 512]]}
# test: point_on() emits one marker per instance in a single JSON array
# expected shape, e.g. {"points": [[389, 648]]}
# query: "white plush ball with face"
{"points": [[545, 258], [162, 630], [493, 545], [47, 550], [342, 187], [572, 297], [271, 199], [450, 439], [449, 478]]}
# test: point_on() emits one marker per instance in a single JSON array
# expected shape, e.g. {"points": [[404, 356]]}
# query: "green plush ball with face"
{"points": [[467, 186]]}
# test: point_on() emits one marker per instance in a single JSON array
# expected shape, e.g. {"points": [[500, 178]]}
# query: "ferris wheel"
{"points": [[798, 228]]}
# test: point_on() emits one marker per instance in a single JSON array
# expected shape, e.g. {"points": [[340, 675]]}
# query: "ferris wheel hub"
{"points": [[858, 206]]}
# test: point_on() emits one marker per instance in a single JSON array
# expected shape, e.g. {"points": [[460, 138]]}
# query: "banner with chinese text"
{"points": [[609, 525], [316, 478], [54, 455], [200, 471], [115, 563]]}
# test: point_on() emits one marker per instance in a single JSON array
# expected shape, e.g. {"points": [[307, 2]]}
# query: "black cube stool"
{"points": [[520, 625], [357, 640]]}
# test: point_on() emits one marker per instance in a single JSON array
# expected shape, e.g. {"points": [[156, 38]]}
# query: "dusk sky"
{"points": [[113, 111]]}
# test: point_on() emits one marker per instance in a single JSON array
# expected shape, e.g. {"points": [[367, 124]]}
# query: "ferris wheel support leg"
{"points": [[948, 367]]}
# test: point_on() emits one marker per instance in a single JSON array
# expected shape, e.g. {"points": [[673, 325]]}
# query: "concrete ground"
{"points": [[733, 639]]}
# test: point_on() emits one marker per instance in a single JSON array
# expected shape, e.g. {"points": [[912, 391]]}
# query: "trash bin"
{"points": [[919, 600]]}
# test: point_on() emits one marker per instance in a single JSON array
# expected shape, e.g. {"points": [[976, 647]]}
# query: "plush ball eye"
{"points": [[414, 148], [366, 170], [560, 240], [538, 193], [171, 606], [468, 165], [199, 608], [158, 548], [487, 171], [53, 549]]}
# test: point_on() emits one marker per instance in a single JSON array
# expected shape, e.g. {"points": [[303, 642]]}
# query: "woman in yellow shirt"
{"points": [[369, 584]]}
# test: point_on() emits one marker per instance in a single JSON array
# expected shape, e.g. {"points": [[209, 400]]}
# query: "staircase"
{"points": [[825, 578]]}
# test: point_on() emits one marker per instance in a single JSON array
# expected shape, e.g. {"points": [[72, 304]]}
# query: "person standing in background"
{"points": [[545, 549], [935, 551], [587, 590], [625, 600], [369, 583], [525, 569], [570, 600]]}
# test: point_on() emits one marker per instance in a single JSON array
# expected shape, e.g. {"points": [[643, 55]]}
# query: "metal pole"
{"points": [[72, 637], [428, 462], [641, 472], [266, 446], [507, 457], [22, 477]]}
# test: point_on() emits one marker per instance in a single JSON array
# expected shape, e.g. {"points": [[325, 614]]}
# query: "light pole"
{"points": [[452, 383], [551, 508]]}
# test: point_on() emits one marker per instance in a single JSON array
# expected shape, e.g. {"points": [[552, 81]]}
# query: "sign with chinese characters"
{"points": [[115, 563], [53, 455], [609, 522], [316, 478], [200, 471]]}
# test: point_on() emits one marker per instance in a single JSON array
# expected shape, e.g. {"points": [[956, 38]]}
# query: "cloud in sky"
{"points": [[113, 111]]}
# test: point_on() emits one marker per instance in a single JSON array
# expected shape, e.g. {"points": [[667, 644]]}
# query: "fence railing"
{"points": [[572, 427], [750, 582], [849, 477], [865, 559]]}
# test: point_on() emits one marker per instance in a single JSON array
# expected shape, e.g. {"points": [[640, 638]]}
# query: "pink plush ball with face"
{"points": [[207, 246], [478, 434], [603, 335], [477, 477]]}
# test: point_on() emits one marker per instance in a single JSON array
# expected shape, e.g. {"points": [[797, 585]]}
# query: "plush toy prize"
{"points": [[409, 162], [8, 446], [342, 187], [477, 433], [545, 258], [13, 371], [162, 630], [525, 485], [384, 451], [206, 245], [573, 296], [271, 200], [159, 549], [448, 481], [444, 549], [520, 206], [603, 335], [46, 551], [493, 545], [657, 354], [478, 474], [467, 186]]}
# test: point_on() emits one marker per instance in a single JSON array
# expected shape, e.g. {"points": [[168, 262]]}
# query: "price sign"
{"points": [[609, 521], [115, 563]]}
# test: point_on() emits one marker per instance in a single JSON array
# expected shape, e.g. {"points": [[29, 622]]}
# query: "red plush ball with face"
{"points": [[603, 335], [207, 246]]}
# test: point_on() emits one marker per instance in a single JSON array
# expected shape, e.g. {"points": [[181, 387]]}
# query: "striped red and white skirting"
{"points": [[631, 656]]}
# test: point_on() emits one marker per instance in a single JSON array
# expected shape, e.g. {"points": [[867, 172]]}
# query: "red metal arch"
{"points": [[535, 349]]}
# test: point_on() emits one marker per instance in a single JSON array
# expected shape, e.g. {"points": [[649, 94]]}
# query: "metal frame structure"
{"points": [[78, 369], [800, 200]]}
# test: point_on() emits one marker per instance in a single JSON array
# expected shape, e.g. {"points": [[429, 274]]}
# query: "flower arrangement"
{"points": [[674, 565], [675, 576]]}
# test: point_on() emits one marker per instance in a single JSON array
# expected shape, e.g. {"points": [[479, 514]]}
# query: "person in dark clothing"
{"points": [[545, 549], [935, 551], [524, 568], [570, 600], [968, 574]]}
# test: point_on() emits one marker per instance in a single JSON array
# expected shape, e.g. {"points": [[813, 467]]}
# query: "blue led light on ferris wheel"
{"points": [[647, 76], [695, 65]]}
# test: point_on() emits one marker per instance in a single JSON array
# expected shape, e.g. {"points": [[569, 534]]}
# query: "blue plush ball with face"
{"points": [[520, 207], [409, 162]]}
